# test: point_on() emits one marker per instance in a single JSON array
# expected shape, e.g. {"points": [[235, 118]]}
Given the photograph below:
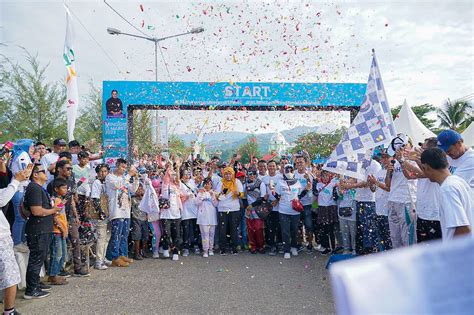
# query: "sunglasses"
{"points": [[69, 168], [40, 171]]}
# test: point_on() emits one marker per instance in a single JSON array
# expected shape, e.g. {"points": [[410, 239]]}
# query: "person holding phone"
{"points": [[22, 152]]}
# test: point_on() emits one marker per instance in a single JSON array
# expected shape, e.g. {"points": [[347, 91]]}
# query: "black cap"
{"points": [[59, 141], [74, 143]]}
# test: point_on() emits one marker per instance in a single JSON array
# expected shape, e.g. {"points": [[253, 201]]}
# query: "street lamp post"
{"points": [[114, 31]]}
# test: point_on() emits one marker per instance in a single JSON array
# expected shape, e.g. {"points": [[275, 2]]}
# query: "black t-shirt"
{"points": [[113, 105], [35, 195]]}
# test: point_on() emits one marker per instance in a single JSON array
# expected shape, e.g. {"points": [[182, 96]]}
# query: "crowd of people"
{"points": [[56, 200]]}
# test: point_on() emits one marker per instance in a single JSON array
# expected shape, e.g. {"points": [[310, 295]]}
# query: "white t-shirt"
{"points": [[325, 194], [308, 198], [19, 164], [227, 202], [96, 189], [189, 206], [270, 182], [402, 190], [46, 161], [80, 172], [381, 196], [287, 194], [427, 200], [207, 214], [171, 193], [118, 190], [365, 194], [216, 179], [6, 194], [464, 167], [456, 206]]}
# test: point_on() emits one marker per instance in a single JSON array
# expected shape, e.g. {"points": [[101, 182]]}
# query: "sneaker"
{"points": [[262, 251], [156, 255], [160, 250], [326, 251], [137, 257], [234, 252], [309, 249], [185, 253], [64, 274], [318, 247], [44, 287], [21, 248], [223, 253], [37, 294], [175, 257], [321, 249], [294, 251], [81, 274], [107, 262], [205, 255], [273, 251], [300, 248], [287, 256], [166, 253], [197, 251], [100, 266], [211, 253]]}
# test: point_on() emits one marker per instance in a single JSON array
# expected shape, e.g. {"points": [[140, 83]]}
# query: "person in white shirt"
{"points": [[384, 241], [273, 236], [327, 216], [171, 215], [49, 160], [347, 217], [81, 174], [229, 191], [22, 152], [456, 200], [460, 157], [118, 186], [304, 177], [189, 214], [207, 217], [288, 189], [262, 169], [9, 271], [401, 200], [427, 196], [366, 236]]}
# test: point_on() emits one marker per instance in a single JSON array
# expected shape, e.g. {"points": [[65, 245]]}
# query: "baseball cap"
{"points": [[59, 141], [447, 138], [74, 143], [240, 174]]}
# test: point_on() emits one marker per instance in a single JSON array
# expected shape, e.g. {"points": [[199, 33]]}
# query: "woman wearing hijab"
{"points": [[22, 152], [229, 191], [287, 189]]}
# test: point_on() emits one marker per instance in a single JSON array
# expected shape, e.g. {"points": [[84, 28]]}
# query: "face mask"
{"points": [[289, 175]]}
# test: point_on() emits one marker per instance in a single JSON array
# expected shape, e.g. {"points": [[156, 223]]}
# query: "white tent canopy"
{"points": [[409, 124], [468, 135]]}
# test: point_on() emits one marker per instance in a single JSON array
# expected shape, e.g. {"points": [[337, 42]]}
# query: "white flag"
{"points": [[72, 100], [372, 127]]}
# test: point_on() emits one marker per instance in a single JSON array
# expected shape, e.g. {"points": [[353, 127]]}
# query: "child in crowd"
{"points": [[60, 232], [101, 205], [207, 216], [256, 191], [139, 233], [346, 213]]}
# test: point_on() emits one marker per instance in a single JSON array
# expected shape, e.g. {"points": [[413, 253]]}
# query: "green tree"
{"points": [[89, 123], [317, 143], [420, 111], [142, 131], [30, 107], [176, 146], [248, 149], [455, 115]]}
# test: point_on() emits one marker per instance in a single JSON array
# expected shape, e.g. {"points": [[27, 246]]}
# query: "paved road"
{"points": [[232, 284]]}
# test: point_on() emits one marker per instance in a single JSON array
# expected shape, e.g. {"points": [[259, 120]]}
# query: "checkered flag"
{"points": [[372, 127]]}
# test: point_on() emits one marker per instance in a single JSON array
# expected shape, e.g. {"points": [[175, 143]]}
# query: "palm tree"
{"points": [[453, 114]]}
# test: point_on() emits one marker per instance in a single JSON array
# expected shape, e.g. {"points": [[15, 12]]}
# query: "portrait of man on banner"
{"points": [[114, 106]]}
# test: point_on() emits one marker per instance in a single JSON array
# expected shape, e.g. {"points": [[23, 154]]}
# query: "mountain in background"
{"points": [[232, 139]]}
